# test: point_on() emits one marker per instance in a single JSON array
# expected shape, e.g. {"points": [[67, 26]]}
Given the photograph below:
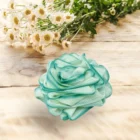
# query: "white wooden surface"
{"points": [[22, 116]]}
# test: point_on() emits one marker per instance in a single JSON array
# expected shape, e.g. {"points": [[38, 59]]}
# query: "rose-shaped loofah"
{"points": [[72, 85]]}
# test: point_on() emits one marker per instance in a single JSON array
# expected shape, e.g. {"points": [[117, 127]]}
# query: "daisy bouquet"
{"points": [[59, 21]]}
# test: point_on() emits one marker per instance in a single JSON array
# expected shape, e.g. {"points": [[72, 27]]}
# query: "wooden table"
{"points": [[23, 117]]}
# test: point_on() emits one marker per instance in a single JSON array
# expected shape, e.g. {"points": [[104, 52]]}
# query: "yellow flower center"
{"points": [[4, 14], [41, 11], [47, 37], [32, 26], [21, 38], [5, 29], [58, 18], [16, 20], [33, 17], [12, 5], [15, 29], [37, 37], [40, 48], [27, 12], [56, 35], [11, 36], [68, 17], [66, 44]]}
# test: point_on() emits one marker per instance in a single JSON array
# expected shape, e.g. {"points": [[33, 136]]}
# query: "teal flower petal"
{"points": [[72, 85]]}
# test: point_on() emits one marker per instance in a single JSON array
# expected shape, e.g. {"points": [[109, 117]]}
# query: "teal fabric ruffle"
{"points": [[72, 85]]}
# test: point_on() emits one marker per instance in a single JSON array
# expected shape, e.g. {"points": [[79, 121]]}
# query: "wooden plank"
{"points": [[127, 30], [19, 68], [24, 117]]}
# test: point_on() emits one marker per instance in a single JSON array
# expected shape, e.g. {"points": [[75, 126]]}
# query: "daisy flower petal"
{"points": [[66, 44], [27, 12], [57, 18], [11, 5], [47, 38], [11, 36], [15, 20], [32, 18], [5, 29], [69, 17], [40, 12], [57, 36], [4, 14], [35, 39], [50, 6]]}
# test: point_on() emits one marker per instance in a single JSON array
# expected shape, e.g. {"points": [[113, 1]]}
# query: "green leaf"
{"points": [[90, 26], [44, 2]]}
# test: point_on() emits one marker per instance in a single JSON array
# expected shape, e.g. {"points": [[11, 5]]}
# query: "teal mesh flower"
{"points": [[72, 85]]}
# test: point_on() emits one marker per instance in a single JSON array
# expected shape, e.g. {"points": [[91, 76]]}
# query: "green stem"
{"points": [[89, 14], [20, 5], [75, 34]]}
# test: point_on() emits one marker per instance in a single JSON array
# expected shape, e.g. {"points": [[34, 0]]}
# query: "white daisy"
{"points": [[30, 27], [57, 36], [124, 3], [32, 18], [112, 11], [40, 49], [57, 18], [11, 5], [15, 21], [40, 12], [47, 38], [27, 40], [27, 12], [35, 39], [20, 37], [69, 17], [50, 6], [4, 14], [5, 29], [11, 36], [88, 6], [66, 44]]}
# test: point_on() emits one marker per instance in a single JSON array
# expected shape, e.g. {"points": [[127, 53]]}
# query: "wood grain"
{"points": [[23, 117], [127, 30], [19, 68]]}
